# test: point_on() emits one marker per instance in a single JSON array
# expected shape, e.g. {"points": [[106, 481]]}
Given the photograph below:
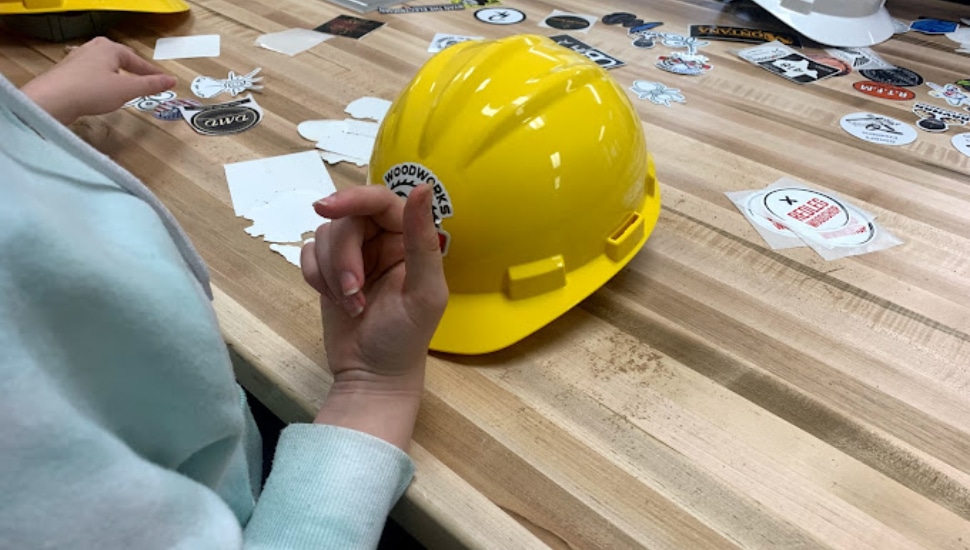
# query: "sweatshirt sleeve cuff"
{"points": [[329, 487]]}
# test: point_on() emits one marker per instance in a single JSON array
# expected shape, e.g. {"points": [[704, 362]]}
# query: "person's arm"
{"points": [[377, 327], [379, 271], [96, 78]]}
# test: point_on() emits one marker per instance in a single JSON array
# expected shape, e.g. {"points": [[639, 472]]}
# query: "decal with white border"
{"points": [[403, 177]]}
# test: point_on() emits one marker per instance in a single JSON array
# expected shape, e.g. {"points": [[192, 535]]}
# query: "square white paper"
{"points": [[186, 47], [255, 183], [291, 41]]}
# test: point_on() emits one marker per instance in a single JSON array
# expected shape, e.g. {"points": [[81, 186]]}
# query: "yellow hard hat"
{"points": [[543, 185], [20, 7]]}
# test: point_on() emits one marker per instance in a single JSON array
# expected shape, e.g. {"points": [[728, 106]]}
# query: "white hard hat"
{"points": [[842, 23]]}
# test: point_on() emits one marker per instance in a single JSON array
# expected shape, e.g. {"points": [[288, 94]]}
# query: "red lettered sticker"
{"points": [[884, 91]]}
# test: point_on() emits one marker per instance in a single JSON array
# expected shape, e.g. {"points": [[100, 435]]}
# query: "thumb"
{"points": [[424, 275], [137, 86]]}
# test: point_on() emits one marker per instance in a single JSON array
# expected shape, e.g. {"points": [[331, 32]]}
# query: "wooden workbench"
{"points": [[714, 394]]}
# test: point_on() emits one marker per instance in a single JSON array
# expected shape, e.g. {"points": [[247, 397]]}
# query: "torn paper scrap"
{"points": [[288, 251], [334, 158], [368, 107], [291, 41], [348, 145], [254, 183], [285, 218], [187, 47], [315, 130]]}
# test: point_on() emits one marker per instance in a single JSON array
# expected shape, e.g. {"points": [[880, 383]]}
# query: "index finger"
{"points": [[135, 64], [375, 202]]}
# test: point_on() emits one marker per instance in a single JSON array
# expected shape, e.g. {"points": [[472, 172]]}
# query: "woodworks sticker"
{"points": [[404, 177]]}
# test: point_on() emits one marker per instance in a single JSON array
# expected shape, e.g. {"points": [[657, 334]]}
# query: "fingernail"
{"points": [[326, 201], [352, 305], [348, 283]]}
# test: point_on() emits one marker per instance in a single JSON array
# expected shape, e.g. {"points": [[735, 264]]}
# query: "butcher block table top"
{"points": [[716, 393]]}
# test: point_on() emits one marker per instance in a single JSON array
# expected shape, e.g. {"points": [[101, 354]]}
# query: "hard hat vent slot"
{"points": [[534, 278], [625, 239]]}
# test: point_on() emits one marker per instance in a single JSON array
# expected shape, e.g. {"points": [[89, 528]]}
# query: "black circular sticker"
{"points": [[897, 76], [932, 125], [566, 22], [617, 18], [228, 120], [500, 16]]}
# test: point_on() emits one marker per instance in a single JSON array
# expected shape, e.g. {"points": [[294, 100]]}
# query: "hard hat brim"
{"points": [[833, 30], [462, 331], [146, 6]]}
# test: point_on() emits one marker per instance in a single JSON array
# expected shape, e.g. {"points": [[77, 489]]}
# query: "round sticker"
{"points": [[404, 177], [876, 128], [897, 76], [931, 125], [819, 216], [500, 16], [149, 102], [962, 143], [566, 22]]}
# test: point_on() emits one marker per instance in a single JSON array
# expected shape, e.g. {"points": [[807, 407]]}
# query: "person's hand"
{"points": [[378, 269], [96, 78]]}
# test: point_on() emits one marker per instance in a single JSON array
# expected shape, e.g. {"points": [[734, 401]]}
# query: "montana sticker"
{"points": [[741, 34]]}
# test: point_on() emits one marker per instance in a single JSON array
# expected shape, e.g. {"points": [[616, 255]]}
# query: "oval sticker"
{"points": [[227, 120], [884, 91], [818, 216]]}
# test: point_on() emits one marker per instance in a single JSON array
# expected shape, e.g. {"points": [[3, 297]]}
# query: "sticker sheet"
{"points": [[277, 194], [830, 225], [187, 47], [291, 41]]}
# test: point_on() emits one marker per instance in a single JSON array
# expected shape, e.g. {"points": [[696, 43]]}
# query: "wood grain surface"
{"points": [[716, 393]]}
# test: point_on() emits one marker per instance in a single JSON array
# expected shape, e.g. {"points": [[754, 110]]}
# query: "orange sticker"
{"points": [[884, 91]]}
